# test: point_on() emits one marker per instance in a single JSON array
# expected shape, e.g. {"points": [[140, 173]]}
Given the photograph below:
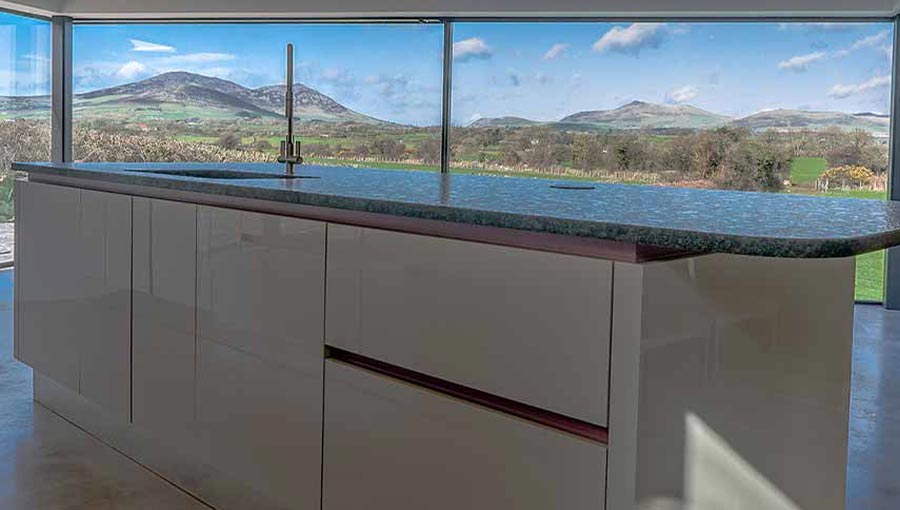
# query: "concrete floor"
{"points": [[47, 463]]}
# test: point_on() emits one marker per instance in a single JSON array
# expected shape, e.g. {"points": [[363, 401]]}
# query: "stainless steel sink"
{"points": [[202, 173]]}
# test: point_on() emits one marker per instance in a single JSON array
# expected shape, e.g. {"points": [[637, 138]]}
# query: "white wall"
{"points": [[326, 8]]}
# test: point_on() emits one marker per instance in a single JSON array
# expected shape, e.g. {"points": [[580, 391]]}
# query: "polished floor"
{"points": [[48, 464]]}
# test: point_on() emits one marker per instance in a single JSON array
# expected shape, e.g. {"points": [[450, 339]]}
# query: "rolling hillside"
{"points": [[639, 115], [642, 115], [185, 96]]}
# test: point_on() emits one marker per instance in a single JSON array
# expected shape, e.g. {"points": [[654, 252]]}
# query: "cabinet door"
{"points": [[389, 445], [74, 299], [48, 300], [526, 325], [163, 321], [260, 350]]}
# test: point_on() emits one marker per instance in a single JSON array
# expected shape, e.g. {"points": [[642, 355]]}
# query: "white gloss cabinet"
{"points": [[164, 309], [389, 445], [73, 298], [526, 325], [260, 350]]}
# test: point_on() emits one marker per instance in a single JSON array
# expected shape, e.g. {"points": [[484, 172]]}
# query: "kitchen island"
{"points": [[376, 339]]}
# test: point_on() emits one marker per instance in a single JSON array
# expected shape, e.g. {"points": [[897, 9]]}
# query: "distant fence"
{"points": [[875, 183]]}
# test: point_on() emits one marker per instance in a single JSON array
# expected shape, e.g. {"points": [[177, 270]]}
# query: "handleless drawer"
{"points": [[529, 326], [392, 445]]}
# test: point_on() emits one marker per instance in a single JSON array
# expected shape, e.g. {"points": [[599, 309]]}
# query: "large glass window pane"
{"points": [[365, 94], [24, 107], [753, 106]]}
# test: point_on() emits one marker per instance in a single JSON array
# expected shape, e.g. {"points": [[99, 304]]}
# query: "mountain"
{"points": [[639, 115], [800, 119], [184, 96], [503, 122], [634, 115], [642, 115]]}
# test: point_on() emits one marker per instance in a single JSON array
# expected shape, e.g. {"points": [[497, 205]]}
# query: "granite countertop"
{"points": [[710, 221]]}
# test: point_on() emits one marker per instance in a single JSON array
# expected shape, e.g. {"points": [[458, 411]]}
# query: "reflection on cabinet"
{"points": [[73, 304], [164, 306], [392, 445], [525, 325], [260, 350]]}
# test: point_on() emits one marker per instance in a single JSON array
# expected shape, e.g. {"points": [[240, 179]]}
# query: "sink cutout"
{"points": [[572, 186], [202, 173]]}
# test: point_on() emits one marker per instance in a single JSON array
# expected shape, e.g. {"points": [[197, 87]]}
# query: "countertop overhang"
{"points": [[659, 221]]}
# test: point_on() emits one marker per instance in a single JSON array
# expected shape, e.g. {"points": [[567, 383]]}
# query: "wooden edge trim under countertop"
{"points": [[617, 251], [503, 405]]}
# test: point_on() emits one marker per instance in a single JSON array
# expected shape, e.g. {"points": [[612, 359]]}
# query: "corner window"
{"points": [[24, 107]]}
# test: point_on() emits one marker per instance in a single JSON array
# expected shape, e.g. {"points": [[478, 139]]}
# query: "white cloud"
{"points": [[826, 26], [841, 91], [879, 41], [471, 48], [800, 63], [631, 39], [144, 46], [555, 51], [682, 94], [131, 70], [195, 58]]}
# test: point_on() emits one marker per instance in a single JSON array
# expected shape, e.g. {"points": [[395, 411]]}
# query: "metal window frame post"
{"points": [[61, 89], [446, 96], [892, 258]]}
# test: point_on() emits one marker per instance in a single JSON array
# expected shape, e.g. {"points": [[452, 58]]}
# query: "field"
{"points": [[805, 170]]}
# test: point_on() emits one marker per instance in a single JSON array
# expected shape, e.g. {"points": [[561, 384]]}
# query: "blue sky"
{"points": [[544, 72], [540, 71], [24, 56]]}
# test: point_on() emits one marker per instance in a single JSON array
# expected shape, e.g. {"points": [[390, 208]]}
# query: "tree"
{"points": [[262, 145], [429, 150], [229, 140]]}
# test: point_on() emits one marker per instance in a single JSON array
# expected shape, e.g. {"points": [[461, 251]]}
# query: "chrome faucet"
{"points": [[290, 149]]}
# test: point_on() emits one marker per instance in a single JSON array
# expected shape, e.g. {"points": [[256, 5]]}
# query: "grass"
{"points": [[806, 170], [870, 276]]}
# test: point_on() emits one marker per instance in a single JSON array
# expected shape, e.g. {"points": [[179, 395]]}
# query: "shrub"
{"points": [[847, 176]]}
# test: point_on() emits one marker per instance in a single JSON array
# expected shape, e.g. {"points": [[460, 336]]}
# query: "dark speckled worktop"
{"points": [[772, 225]]}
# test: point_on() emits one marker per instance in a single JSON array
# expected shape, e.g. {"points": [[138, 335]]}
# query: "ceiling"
{"points": [[416, 8]]}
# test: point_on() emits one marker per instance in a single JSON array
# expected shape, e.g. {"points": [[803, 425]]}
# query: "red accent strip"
{"points": [[527, 412]]}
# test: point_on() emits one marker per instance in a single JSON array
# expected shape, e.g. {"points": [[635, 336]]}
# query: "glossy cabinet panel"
{"points": [[389, 445], [730, 383], [164, 310], [48, 296], [526, 325], [260, 350], [73, 300]]}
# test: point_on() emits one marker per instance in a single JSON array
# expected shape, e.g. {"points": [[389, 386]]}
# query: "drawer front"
{"points": [[521, 324], [392, 445]]}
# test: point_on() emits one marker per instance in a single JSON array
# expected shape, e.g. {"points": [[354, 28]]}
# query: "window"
{"points": [[754, 106], [24, 106], [365, 94]]}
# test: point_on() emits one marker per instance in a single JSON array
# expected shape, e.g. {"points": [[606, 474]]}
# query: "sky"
{"points": [[541, 71], [24, 56], [547, 71]]}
